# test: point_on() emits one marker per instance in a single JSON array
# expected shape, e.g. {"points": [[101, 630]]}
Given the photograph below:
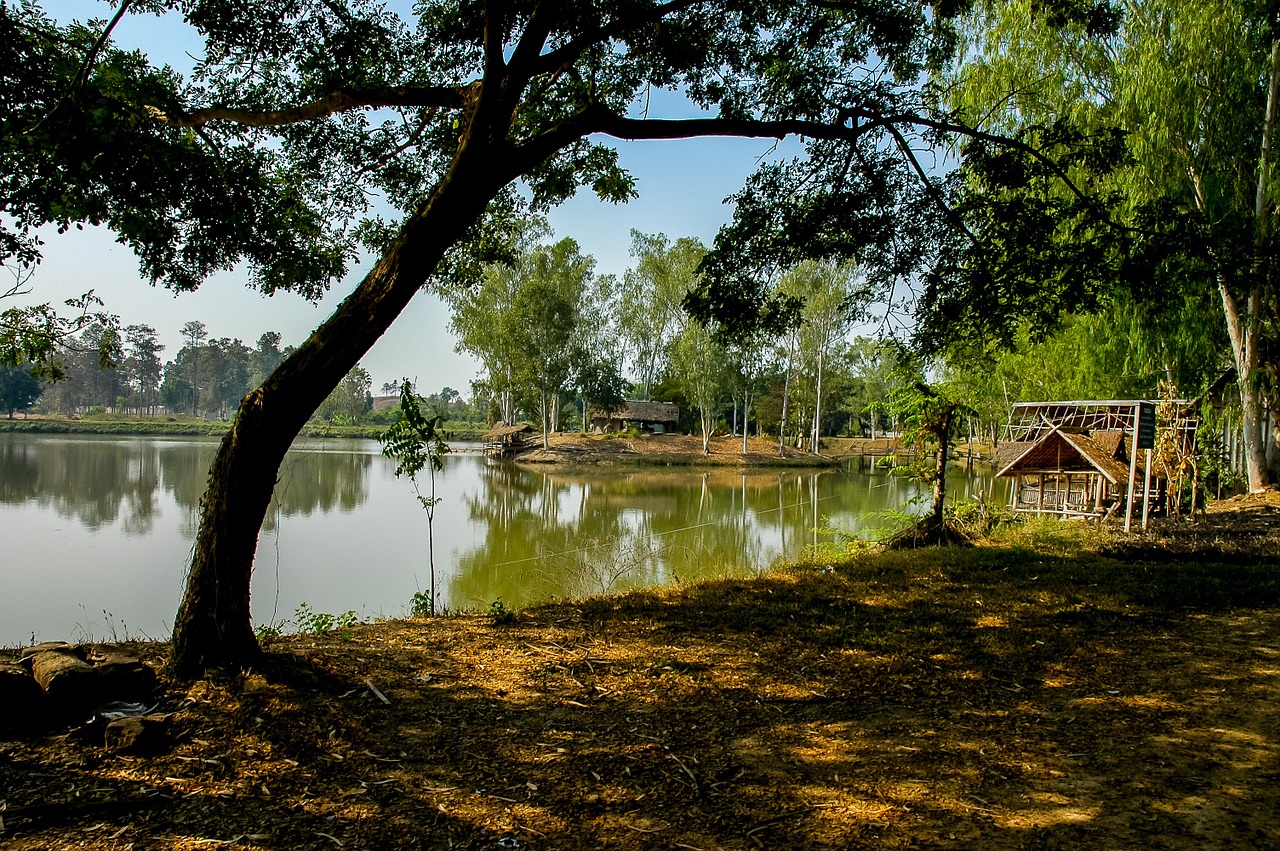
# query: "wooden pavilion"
{"points": [[1068, 473], [1080, 459], [503, 440]]}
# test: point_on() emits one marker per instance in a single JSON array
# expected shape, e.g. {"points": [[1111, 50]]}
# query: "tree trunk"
{"points": [[213, 626], [817, 407], [543, 404], [786, 394], [940, 478], [1245, 327]]}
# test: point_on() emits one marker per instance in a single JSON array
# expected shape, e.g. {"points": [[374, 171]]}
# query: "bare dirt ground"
{"points": [[667, 450], [1035, 693]]}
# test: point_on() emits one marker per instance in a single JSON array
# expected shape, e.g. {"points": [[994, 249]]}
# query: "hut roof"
{"points": [[1011, 450], [648, 412], [1065, 452], [1110, 441], [500, 431]]}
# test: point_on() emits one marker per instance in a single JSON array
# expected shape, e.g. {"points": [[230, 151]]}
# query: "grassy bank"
{"points": [[1057, 687]]}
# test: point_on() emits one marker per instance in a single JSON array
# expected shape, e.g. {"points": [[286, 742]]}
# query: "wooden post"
{"points": [[1146, 492], [1040, 496], [1195, 480], [1133, 469]]}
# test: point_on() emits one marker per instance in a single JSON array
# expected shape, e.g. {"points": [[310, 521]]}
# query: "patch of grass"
{"points": [[309, 622], [500, 615]]}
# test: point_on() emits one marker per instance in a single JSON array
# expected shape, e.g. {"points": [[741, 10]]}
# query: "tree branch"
{"points": [[87, 64], [340, 101], [494, 33], [930, 188], [566, 54], [535, 36]]}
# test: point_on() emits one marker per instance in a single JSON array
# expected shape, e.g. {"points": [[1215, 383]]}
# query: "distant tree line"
{"points": [[558, 342], [207, 378]]}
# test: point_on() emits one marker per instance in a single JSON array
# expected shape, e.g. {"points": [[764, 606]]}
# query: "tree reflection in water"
{"points": [[520, 534], [104, 481], [567, 532]]}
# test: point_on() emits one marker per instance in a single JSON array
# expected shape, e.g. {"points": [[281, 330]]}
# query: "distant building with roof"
{"points": [[654, 417]]}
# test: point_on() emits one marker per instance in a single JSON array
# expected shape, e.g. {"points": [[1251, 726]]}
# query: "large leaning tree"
{"points": [[312, 130]]}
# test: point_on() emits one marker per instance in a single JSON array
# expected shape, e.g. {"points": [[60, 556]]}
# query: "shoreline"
{"points": [[665, 450], [185, 427], [937, 697]]}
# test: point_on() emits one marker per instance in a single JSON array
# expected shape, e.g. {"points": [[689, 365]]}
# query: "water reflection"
{"points": [[101, 482], [92, 482], [548, 532], [107, 523]]}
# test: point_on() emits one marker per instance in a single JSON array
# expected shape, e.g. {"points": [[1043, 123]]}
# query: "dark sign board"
{"points": [[1146, 425]]}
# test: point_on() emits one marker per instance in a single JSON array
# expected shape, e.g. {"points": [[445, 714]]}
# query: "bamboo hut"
{"points": [[1081, 458], [655, 417], [504, 440], [1067, 473]]}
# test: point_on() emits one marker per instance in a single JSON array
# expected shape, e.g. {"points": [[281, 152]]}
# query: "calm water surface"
{"points": [[96, 532]]}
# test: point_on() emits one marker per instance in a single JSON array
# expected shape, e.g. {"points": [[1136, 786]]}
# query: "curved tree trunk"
{"points": [[213, 626]]}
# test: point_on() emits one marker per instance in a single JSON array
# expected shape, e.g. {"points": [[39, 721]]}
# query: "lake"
{"points": [[97, 531]]}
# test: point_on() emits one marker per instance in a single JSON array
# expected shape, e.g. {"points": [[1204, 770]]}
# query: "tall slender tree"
{"points": [[142, 365], [1194, 86], [699, 365], [651, 298]]}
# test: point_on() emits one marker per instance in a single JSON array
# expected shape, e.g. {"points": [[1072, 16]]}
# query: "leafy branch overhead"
{"points": [[296, 130]]}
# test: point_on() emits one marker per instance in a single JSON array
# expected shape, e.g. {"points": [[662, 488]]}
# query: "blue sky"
{"points": [[682, 186]]}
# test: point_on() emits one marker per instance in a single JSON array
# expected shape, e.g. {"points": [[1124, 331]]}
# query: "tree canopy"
{"points": [[312, 130], [1183, 97]]}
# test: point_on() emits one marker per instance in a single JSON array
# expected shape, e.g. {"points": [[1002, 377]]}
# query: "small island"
{"points": [[663, 450]]}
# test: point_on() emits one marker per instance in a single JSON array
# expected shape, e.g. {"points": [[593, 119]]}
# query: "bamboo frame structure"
{"points": [[1077, 458]]}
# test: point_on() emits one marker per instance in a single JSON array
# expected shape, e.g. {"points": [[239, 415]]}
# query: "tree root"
{"points": [[929, 532]]}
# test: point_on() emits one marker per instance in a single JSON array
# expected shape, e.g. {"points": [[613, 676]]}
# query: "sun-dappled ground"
{"points": [[1033, 693]]}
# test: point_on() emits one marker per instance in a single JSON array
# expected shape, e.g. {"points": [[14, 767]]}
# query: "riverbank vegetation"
{"points": [[1057, 686]]}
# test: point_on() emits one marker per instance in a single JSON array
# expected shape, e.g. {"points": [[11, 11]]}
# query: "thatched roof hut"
{"points": [[505, 439], [657, 417]]}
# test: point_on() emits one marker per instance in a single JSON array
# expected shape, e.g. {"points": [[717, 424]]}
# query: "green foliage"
{"points": [[416, 442], [19, 389], [1188, 187], [79, 131], [421, 605], [266, 631], [36, 335], [309, 622], [699, 365], [650, 313], [500, 615], [348, 403]]}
